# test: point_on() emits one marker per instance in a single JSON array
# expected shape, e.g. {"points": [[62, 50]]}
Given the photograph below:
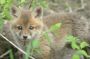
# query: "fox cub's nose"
{"points": [[24, 37]]}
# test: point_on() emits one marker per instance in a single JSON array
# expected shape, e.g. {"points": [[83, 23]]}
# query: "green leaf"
{"points": [[22, 1], [11, 54], [75, 45], [2, 1], [55, 27], [83, 45], [35, 43], [84, 53], [27, 50], [44, 4], [75, 56], [1, 23], [71, 38], [47, 37]]}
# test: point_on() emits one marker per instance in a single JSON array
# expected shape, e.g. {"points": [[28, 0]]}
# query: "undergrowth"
{"points": [[5, 15]]}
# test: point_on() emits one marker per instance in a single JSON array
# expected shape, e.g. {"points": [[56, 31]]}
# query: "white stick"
{"points": [[4, 54], [69, 7]]}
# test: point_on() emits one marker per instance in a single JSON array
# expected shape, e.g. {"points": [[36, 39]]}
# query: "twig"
{"points": [[83, 5], [69, 7], [4, 54], [16, 46]]}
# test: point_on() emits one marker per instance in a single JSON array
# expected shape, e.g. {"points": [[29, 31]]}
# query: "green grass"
{"points": [[11, 54]]}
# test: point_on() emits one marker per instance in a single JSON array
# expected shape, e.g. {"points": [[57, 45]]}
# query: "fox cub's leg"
{"points": [[46, 52]]}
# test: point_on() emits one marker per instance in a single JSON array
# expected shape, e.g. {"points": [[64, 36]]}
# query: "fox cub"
{"points": [[27, 25]]}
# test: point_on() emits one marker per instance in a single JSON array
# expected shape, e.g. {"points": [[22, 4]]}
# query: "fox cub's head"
{"points": [[26, 24]]}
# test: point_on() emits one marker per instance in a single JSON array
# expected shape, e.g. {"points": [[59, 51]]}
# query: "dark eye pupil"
{"points": [[31, 27], [20, 27]]}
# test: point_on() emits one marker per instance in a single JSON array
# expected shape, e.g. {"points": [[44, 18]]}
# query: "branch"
{"points": [[83, 5], [4, 54], [69, 7]]}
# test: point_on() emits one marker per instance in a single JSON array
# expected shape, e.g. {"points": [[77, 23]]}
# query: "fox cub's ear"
{"points": [[14, 11], [38, 12]]}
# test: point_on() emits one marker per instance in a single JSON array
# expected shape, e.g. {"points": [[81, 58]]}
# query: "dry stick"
{"points": [[69, 7], [83, 5], [5, 54], [16, 46]]}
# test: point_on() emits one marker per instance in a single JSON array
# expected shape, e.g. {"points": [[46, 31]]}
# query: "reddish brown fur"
{"points": [[26, 18]]}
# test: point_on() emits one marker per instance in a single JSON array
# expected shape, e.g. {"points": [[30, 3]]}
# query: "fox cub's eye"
{"points": [[19, 27], [31, 27]]}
